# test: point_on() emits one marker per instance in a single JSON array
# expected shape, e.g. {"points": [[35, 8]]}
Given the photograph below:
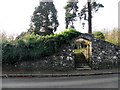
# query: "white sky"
{"points": [[15, 15]]}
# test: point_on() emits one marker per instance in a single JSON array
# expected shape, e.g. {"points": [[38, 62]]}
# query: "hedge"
{"points": [[99, 35], [33, 47]]}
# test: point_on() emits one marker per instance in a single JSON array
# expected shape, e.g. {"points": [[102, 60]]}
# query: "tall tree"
{"points": [[44, 19], [90, 8], [71, 13]]}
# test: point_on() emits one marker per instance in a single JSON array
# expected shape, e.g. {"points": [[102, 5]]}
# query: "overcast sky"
{"points": [[15, 15]]}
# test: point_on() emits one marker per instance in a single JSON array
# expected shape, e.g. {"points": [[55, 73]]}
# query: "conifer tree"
{"points": [[44, 19]]}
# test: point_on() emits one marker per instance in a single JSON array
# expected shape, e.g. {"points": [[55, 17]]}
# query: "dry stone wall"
{"points": [[60, 61], [104, 55]]}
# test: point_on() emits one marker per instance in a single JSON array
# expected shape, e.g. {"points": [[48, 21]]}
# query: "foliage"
{"points": [[33, 47], [3, 35], [112, 36], [94, 8], [76, 51], [44, 19], [71, 13], [99, 35]]}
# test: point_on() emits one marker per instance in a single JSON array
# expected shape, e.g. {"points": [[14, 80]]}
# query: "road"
{"points": [[97, 81]]}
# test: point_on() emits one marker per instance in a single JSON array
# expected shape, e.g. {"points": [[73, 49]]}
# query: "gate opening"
{"points": [[83, 52]]}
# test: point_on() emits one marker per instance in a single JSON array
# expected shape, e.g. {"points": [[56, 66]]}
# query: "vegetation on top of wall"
{"points": [[113, 36], [99, 35], [33, 47]]}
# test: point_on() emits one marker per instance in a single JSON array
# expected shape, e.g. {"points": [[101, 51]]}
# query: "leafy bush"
{"points": [[33, 47], [99, 35]]}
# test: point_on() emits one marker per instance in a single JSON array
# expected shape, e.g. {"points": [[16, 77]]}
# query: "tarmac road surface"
{"points": [[94, 81]]}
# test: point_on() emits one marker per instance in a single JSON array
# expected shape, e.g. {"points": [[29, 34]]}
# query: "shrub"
{"points": [[33, 47], [99, 35]]}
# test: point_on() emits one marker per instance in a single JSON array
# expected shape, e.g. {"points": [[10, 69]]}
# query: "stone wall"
{"points": [[61, 61], [104, 54]]}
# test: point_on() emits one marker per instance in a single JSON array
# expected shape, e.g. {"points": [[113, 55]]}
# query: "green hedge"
{"points": [[99, 35], [33, 47]]}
